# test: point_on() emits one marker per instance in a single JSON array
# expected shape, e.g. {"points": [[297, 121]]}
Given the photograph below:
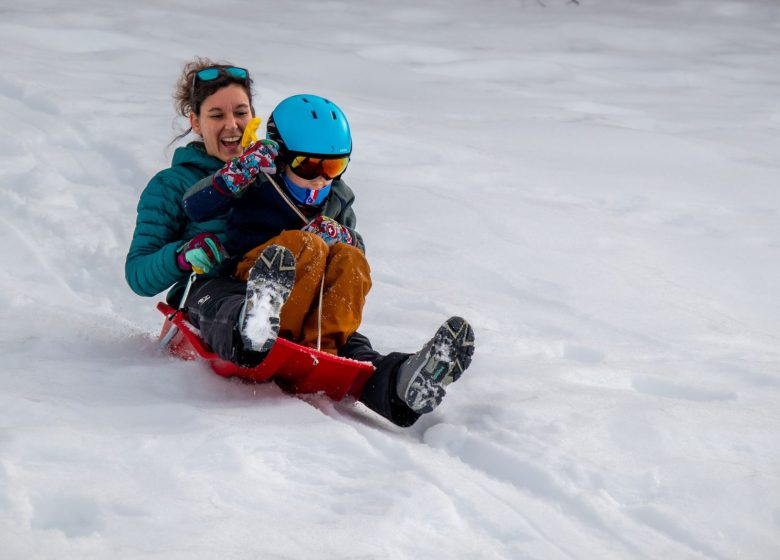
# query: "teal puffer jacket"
{"points": [[162, 225]]}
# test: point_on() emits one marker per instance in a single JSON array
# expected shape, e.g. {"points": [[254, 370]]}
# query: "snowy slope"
{"points": [[595, 187]]}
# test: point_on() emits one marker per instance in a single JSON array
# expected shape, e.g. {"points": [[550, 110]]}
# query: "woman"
{"points": [[167, 245]]}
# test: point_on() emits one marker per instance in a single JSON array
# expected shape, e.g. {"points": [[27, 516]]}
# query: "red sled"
{"points": [[296, 368]]}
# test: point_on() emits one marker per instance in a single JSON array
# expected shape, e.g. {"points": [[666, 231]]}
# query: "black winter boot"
{"points": [[423, 376]]}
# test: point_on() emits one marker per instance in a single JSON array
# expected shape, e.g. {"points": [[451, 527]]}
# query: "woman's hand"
{"points": [[201, 254], [238, 174]]}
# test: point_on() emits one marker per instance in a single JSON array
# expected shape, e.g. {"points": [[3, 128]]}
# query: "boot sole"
{"points": [[448, 355], [270, 282]]}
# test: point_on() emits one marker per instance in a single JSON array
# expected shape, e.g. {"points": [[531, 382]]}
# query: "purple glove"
{"points": [[330, 230], [202, 253], [238, 174]]}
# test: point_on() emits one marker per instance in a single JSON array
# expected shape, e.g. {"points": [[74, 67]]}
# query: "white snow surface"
{"points": [[594, 186]]}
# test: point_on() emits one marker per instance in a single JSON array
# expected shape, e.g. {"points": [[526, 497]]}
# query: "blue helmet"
{"points": [[310, 124]]}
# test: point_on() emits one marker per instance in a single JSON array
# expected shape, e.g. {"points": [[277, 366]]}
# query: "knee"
{"points": [[303, 241], [314, 242], [354, 256]]}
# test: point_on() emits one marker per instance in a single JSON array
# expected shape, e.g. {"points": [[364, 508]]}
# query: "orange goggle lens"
{"points": [[311, 167]]}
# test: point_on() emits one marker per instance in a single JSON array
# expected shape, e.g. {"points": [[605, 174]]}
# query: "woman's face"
{"points": [[223, 116]]}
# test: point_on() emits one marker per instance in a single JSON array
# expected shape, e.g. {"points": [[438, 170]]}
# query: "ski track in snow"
{"points": [[593, 187]]}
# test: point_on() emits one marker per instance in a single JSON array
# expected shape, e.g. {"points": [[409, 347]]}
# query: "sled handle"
{"points": [[164, 341], [190, 282]]}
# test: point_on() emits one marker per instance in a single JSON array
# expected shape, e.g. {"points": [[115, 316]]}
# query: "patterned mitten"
{"points": [[238, 174], [330, 230]]}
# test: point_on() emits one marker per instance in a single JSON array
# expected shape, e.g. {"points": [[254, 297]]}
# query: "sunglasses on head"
{"points": [[309, 167], [213, 72]]}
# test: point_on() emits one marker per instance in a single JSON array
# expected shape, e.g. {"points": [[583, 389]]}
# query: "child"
{"points": [[309, 220]]}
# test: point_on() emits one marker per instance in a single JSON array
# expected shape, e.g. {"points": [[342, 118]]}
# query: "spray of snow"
{"points": [[263, 314]]}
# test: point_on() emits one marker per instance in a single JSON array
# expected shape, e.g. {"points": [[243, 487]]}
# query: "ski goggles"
{"points": [[308, 167]]}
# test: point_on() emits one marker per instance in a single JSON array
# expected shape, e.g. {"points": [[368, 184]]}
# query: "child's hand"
{"points": [[330, 230], [239, 173]]}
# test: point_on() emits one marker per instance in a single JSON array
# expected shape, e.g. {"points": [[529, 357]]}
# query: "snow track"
{"points": [[593, 187]]}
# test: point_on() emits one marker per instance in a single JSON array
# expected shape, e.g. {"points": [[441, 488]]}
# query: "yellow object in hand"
{"points": [[250, 132]]}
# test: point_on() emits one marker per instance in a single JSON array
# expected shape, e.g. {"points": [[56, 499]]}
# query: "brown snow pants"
{"points": [[347, 280]]}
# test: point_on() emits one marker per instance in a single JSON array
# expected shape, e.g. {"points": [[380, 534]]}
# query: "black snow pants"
{"points": [[213, 306]]}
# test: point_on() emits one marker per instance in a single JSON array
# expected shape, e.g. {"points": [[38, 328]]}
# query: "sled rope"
{"points": [[322, 281], [284, 197], [319, 315]]}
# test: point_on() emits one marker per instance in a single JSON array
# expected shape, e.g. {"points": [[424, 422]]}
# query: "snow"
{"points": [[262, 310], [258, 325], [594, 187]]}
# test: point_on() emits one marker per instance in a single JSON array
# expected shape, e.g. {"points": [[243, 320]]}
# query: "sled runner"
{"points": [[297, 369]]}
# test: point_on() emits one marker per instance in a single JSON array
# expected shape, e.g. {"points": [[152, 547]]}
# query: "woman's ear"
{"points": [[195, 123]]}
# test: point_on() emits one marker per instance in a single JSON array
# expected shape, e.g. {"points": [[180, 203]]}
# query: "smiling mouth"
{"points": [[231, 142]]}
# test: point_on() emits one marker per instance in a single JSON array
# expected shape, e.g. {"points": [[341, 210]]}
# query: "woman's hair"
{"points": [[189, 94]]}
